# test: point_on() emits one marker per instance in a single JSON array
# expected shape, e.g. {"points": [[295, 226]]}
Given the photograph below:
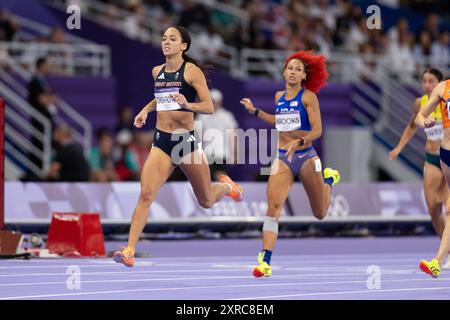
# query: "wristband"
{"points": [[256, 112], [301, 142]]}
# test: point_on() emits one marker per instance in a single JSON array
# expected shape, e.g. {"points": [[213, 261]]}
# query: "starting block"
{"points": [[76, 234]]}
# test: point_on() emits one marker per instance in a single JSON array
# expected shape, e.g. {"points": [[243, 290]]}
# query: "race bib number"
{"points": [[288, 121], [164, 100], [435, 133]]}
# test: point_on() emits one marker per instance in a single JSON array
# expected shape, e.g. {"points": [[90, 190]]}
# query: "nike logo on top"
{"points": [[280, 103]]}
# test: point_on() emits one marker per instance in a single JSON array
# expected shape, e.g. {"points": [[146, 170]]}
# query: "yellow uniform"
{"points": [[436, 132]]}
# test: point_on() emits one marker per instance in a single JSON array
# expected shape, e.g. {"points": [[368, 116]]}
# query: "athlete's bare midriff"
{"points": [[432, 147], [170, 121], [284, 138], [445, 143]]}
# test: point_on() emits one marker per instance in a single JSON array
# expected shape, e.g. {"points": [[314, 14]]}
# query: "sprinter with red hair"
{"points": [[297, 118]]}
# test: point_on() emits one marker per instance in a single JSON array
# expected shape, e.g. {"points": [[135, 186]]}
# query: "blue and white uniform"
{"points": [[291, 115]]}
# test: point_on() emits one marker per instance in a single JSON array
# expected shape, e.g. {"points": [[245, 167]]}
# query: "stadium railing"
{"points": [[87, 59], [19, 132]]}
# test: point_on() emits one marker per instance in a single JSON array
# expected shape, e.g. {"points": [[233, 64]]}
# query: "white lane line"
{"points": [[339, 293], [127, 273], [234, 286], [280, 259], [74, 262], [229, 264], [296, 259], [206, 278], [394, 272], [152, 279]]}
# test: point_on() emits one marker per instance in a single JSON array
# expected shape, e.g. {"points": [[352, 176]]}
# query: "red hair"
{"points": [[315, 68]]}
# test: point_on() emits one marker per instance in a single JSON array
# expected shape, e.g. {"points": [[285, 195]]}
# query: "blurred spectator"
{"points": [[432, 26], [123, 168], [323, 10], [219, 136], [124, 138], [261, 35], [110, 16], [161, 10], [321, 37], [57, 36], [378, 40], [257, 9], [357, 35], [7, 25], [133, 158], [343, 21], [362, 66], [102, 158], [42, 98], [295, 41], [400, 28], [194, 16], [260, 39], [238, 38], [208, 44], [166, 5], [227, 24], [275, 25], [59, 58], [422, 48], [126, 119], [69, 164], [400, 57], [133, 25], [440, 51]]}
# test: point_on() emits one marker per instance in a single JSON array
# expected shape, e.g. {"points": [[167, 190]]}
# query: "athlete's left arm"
{"points": [[310, 101], [196, 78]]}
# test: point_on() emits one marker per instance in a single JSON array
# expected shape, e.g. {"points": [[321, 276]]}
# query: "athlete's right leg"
{"points": [[433, 181], [443, 195], [278, 187], [157, 169], [433, 267], [445, 240]]}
